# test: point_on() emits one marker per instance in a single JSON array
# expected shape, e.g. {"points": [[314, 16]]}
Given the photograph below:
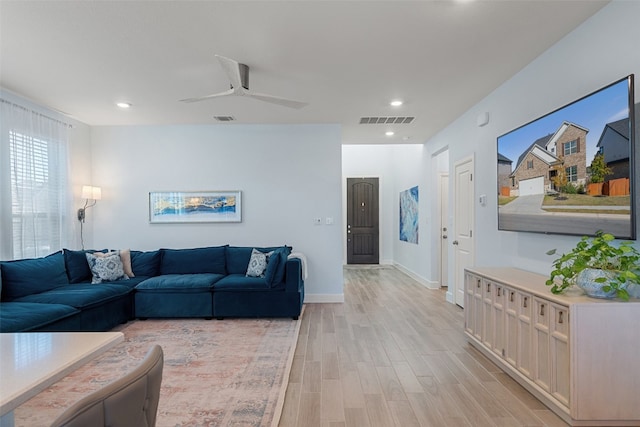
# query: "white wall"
{"points": [[287, 174], [600, 51]]}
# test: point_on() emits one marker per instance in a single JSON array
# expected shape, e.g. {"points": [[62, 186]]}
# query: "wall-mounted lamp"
{"points": [[89, 193]]}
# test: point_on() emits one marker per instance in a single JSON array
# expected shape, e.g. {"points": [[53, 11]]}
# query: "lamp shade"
{"points": [[93, 193]]}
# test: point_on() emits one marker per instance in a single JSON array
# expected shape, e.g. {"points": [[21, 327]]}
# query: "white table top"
{"points": [[32, 361]]}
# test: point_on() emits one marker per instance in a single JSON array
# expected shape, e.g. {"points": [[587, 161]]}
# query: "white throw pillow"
{"points": [[257, 264], [106, 268], [125, 257]]}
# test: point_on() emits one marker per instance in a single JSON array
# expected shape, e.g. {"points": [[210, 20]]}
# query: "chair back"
{"points": [[130, 401]]}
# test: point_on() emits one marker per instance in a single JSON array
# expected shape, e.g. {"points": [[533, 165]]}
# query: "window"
{"points": [[529, 164], [570, 147], [572, 173], [35, 168]]}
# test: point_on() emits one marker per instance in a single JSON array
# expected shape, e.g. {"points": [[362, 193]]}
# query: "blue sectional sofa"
{"points": [[55, 293]]}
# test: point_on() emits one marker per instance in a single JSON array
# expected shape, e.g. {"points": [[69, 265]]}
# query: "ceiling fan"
{"points": [[239, 77]]}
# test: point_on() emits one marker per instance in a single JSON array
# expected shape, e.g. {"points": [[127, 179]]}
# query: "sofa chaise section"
{"points": [[31, 317], [101, 306], [54, 287]]}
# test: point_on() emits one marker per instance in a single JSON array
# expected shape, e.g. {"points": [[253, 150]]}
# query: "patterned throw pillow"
{"points": [[106, 268], [125, 257], [257, 264]]}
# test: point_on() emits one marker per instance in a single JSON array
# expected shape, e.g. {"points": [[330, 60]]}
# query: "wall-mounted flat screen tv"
{"points": [[571, 171]]}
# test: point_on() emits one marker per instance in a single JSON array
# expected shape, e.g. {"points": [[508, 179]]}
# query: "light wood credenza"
{"points": [[580, 356]]}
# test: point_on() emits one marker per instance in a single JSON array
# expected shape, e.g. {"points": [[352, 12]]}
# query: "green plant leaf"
{"points": [[623, 294]]}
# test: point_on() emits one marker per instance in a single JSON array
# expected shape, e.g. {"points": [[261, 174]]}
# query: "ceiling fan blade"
{"points": [[232, 69], [276, 99], [214, 95]]}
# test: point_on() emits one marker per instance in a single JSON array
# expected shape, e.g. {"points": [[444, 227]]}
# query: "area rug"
{"points": [[232, 372]]}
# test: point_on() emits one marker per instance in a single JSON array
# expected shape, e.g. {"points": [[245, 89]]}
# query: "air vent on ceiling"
{"points": [[385, 120], [224, 118]]}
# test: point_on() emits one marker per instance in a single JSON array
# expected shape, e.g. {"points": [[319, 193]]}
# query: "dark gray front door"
{"points": [[362, 221]]}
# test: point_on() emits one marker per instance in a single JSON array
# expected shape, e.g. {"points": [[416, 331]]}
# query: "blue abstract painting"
{"points": [[207, 206], [409, 215]]}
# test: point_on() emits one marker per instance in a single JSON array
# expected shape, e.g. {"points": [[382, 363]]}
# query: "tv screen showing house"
{"points": [[571, 171]]}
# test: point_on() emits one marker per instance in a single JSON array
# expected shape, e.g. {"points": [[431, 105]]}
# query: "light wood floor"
{"points": [[394, 354]]}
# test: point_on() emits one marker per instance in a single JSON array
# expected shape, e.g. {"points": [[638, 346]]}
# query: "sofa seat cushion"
{"points": [[31, 276], [27, 316], [130, 283], [80, 295], [184, 283], [240, 282]]}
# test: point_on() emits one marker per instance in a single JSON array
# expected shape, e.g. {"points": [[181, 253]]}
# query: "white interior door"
{"points": [[463, 216], [443, 190]]}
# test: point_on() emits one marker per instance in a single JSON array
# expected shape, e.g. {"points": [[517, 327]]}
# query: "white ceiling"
{"points": [[348, 59]]}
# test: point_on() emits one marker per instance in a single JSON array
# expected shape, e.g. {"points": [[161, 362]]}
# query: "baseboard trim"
{"points": [[450, 297], [323, 298], [429, 284]]}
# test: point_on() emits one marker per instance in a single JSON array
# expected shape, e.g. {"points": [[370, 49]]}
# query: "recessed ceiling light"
{"points": [[123, 105], [396, 103], [389, 133]]}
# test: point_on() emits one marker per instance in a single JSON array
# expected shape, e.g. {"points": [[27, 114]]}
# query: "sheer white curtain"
{"points": [[33, 182]]}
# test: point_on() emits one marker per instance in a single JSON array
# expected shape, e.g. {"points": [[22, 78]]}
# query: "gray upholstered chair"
{"points": [[130, 401]]}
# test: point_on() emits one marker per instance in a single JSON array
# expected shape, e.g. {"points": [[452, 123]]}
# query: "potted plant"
{"points": [[602, 269]]}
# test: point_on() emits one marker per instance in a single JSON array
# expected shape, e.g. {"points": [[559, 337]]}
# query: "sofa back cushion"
{"points": [[78, 270], [32, 276], [193, 261], [274, 274], [238, 258], [145, 264]]}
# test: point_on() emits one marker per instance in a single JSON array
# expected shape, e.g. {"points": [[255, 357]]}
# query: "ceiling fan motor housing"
{"points": [[244, 76]]}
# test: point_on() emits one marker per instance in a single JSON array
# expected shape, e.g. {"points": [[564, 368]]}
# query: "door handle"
{"points": [[455, 242], [444, 237]]}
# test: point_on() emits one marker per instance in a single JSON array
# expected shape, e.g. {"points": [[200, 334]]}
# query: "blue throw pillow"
{"points": [[77, 266], [193, 261], [274, 273], [146, 264], [32, 276]]}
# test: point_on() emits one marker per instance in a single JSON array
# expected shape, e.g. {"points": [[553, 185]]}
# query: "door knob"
{"points": [[455, 242], [444, 237]]}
